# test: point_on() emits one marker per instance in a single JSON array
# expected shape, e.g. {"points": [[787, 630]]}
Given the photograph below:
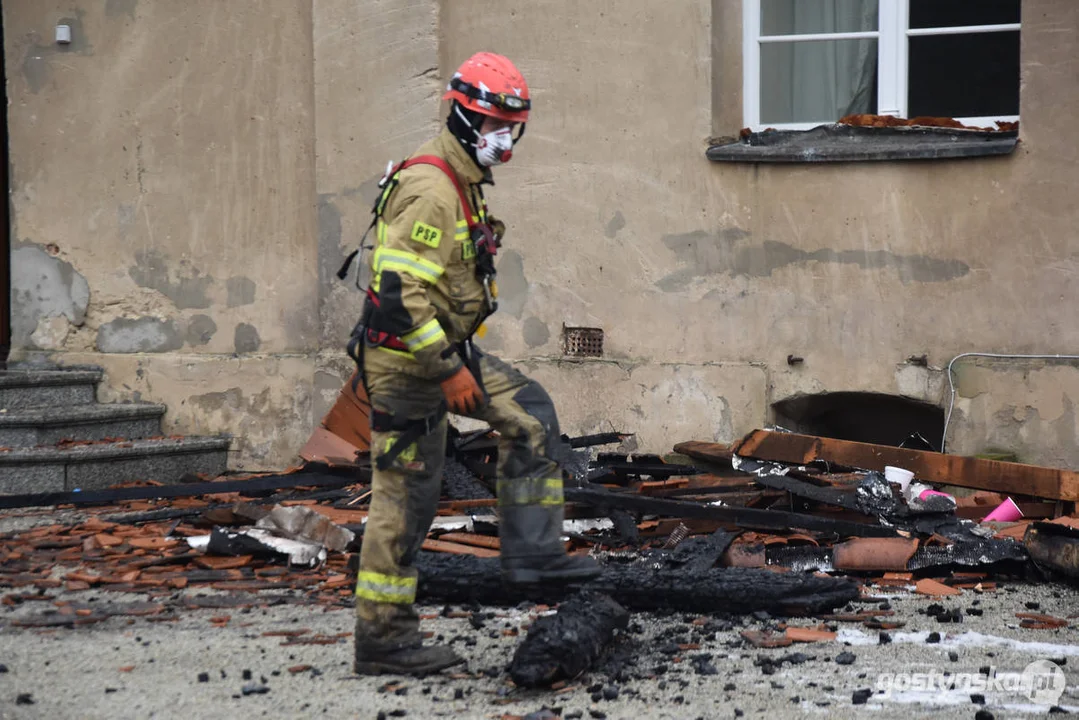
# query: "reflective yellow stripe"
{"points": [[406, 262], [380, 232], [462, 230], [552, 492], [377, 587], [386, 195], [428, 334], [530, 491], [398, 353]]}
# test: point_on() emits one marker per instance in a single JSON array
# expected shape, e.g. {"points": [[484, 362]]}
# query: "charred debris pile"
{"points": [[778, 523]]}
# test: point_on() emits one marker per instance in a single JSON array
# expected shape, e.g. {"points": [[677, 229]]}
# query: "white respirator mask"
{"points": [[493, 148]]}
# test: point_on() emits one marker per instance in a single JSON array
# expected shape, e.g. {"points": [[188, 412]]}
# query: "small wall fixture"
{"points": [[63, 34]]}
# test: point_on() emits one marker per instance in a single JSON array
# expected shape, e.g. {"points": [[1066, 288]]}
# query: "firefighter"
{"points": [[432, 286]]}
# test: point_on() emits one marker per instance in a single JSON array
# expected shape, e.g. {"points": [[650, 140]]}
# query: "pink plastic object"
{"points": [[927, 493], [1007, 511]]}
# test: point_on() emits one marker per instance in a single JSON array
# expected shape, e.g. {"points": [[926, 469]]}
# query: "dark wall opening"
{"points": [[967, 74], [862, 417]]}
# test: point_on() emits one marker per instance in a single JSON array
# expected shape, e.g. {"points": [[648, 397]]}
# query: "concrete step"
{"points": [[29, 427], [94, 466], [28, 387]]}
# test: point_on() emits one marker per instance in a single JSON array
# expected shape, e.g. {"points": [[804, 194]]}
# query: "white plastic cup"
{"points": [[899, 476]]}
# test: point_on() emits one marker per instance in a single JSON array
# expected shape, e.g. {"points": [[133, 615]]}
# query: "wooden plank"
{"points": [[656, 486], [472, 539], [458, 549], [741, 517], [730, 482], [255, 484], [1010, 478], [707, 451]]}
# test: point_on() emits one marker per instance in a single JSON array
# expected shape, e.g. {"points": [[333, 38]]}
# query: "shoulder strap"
{"points": [[445, 168], [390, 177]]}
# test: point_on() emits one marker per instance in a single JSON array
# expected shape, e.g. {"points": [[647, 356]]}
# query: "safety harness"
{"points": [[486, 245]]}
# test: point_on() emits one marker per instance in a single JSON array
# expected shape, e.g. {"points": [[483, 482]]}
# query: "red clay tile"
{"points": [[928, 586], [215, 562], [1040, 622], [286, 633], [874, 554], [803, 634], [107, 540], [766, 639]]}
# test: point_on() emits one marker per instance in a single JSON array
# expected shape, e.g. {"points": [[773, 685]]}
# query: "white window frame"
{"points": [[892, 64]]}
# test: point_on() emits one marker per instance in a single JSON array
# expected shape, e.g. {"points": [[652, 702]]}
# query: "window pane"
{"points": [[964, 75], [957, 13], [802, 17], [817, 81]]}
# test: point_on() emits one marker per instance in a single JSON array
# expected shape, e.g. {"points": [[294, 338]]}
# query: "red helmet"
{"points": [[491, 85]]}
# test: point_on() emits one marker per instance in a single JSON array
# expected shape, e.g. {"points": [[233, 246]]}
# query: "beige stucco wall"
{"points": [[163, 188], [618, 220], [376, 88], [209, 163]]}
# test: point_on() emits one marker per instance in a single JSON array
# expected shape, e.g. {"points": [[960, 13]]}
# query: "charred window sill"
{"points": [[845, 143]]}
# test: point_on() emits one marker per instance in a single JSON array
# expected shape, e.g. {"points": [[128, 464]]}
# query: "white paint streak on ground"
{"points": [[967, 639]]}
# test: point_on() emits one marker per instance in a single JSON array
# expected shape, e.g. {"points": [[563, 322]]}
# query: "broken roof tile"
{"points": [[928, 586]]}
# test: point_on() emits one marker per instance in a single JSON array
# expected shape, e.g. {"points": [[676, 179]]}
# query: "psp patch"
{"points": [[424, 233]]}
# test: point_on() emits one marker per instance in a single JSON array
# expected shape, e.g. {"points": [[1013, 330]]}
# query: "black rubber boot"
{"points": [[417, 661], [559, 569]]}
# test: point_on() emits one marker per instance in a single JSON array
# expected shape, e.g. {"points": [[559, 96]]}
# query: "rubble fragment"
{"points": [[928, 586], [563, 645], [1054, 545]]}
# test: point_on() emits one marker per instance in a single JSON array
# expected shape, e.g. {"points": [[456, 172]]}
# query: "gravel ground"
{"points": [[136, 668]]}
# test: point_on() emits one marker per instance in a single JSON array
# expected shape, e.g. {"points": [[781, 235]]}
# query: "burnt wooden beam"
{"points": [[654, 470], [566, 644], [640, 586], [764, 473], [740, 517], [244, 487], [1055, 546], [1005, 477], [592, 440]]}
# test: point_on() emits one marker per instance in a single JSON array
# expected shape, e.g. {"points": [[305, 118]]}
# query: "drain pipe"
{"points": [[997, 356]]}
